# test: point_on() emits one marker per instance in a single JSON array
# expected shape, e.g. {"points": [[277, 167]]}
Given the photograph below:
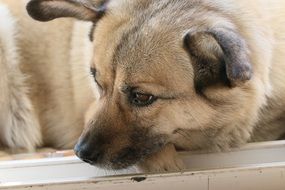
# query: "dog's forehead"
{"points": [[150, 59], [139, 46]]}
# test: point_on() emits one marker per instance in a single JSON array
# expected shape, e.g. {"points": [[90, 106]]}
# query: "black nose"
{"points": [[88, 153]]}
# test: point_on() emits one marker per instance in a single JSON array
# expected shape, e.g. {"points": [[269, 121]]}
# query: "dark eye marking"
{"points": [[137, 98], [93, 72]]}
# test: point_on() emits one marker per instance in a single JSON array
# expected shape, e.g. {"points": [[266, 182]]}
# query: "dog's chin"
{"points": [[112, 166], [123, 161], [126, 158], [115, 165]]}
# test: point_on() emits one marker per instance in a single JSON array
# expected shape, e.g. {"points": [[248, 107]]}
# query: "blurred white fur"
{"points": [[45, 82], [19, 128]]}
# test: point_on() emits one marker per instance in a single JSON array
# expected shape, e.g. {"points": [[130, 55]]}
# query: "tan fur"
{"points": [[229, 117], [140, 45]]}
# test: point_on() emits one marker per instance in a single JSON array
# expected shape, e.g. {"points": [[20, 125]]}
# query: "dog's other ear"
{"points": [[219, 55], [46, 10]]}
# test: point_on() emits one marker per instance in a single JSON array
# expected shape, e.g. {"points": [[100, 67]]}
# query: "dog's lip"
{"points": [[109, 166], [88, 161]]}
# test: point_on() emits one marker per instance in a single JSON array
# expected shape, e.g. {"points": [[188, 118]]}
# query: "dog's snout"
{"points": [[89, 152]]}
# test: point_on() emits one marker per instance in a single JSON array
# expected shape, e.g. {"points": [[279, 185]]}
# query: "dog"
{"points": [[45, 82], [187, 75]]}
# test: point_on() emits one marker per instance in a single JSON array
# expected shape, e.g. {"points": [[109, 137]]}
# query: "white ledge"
{"points": [[257, 165]]}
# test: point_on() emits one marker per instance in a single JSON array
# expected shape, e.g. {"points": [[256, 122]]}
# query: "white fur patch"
{"points": [[7, 35], [19, 126]]}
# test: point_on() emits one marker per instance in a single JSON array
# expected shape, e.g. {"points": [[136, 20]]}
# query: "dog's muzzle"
{"points": [[90, 149]]}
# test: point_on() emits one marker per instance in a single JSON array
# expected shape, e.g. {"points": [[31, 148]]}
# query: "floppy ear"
{"points": [[46, 10], [218, 55]]}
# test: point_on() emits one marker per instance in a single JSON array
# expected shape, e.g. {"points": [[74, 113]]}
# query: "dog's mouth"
{"points": [[126, 158], [109, 156]]}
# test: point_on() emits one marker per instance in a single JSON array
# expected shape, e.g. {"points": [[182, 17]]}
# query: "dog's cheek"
{"points": [[192, 113], [172, 117], [94, 110]]}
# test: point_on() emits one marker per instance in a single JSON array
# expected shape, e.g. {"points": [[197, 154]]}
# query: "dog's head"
{"points": [[159, 69]]}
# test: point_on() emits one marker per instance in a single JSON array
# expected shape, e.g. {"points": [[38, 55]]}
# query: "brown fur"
{"points": [[146, 51], [214, 66]]}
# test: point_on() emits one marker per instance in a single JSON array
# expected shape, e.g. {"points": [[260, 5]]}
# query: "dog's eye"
{"points": [[140, 99], [93, 72]]}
